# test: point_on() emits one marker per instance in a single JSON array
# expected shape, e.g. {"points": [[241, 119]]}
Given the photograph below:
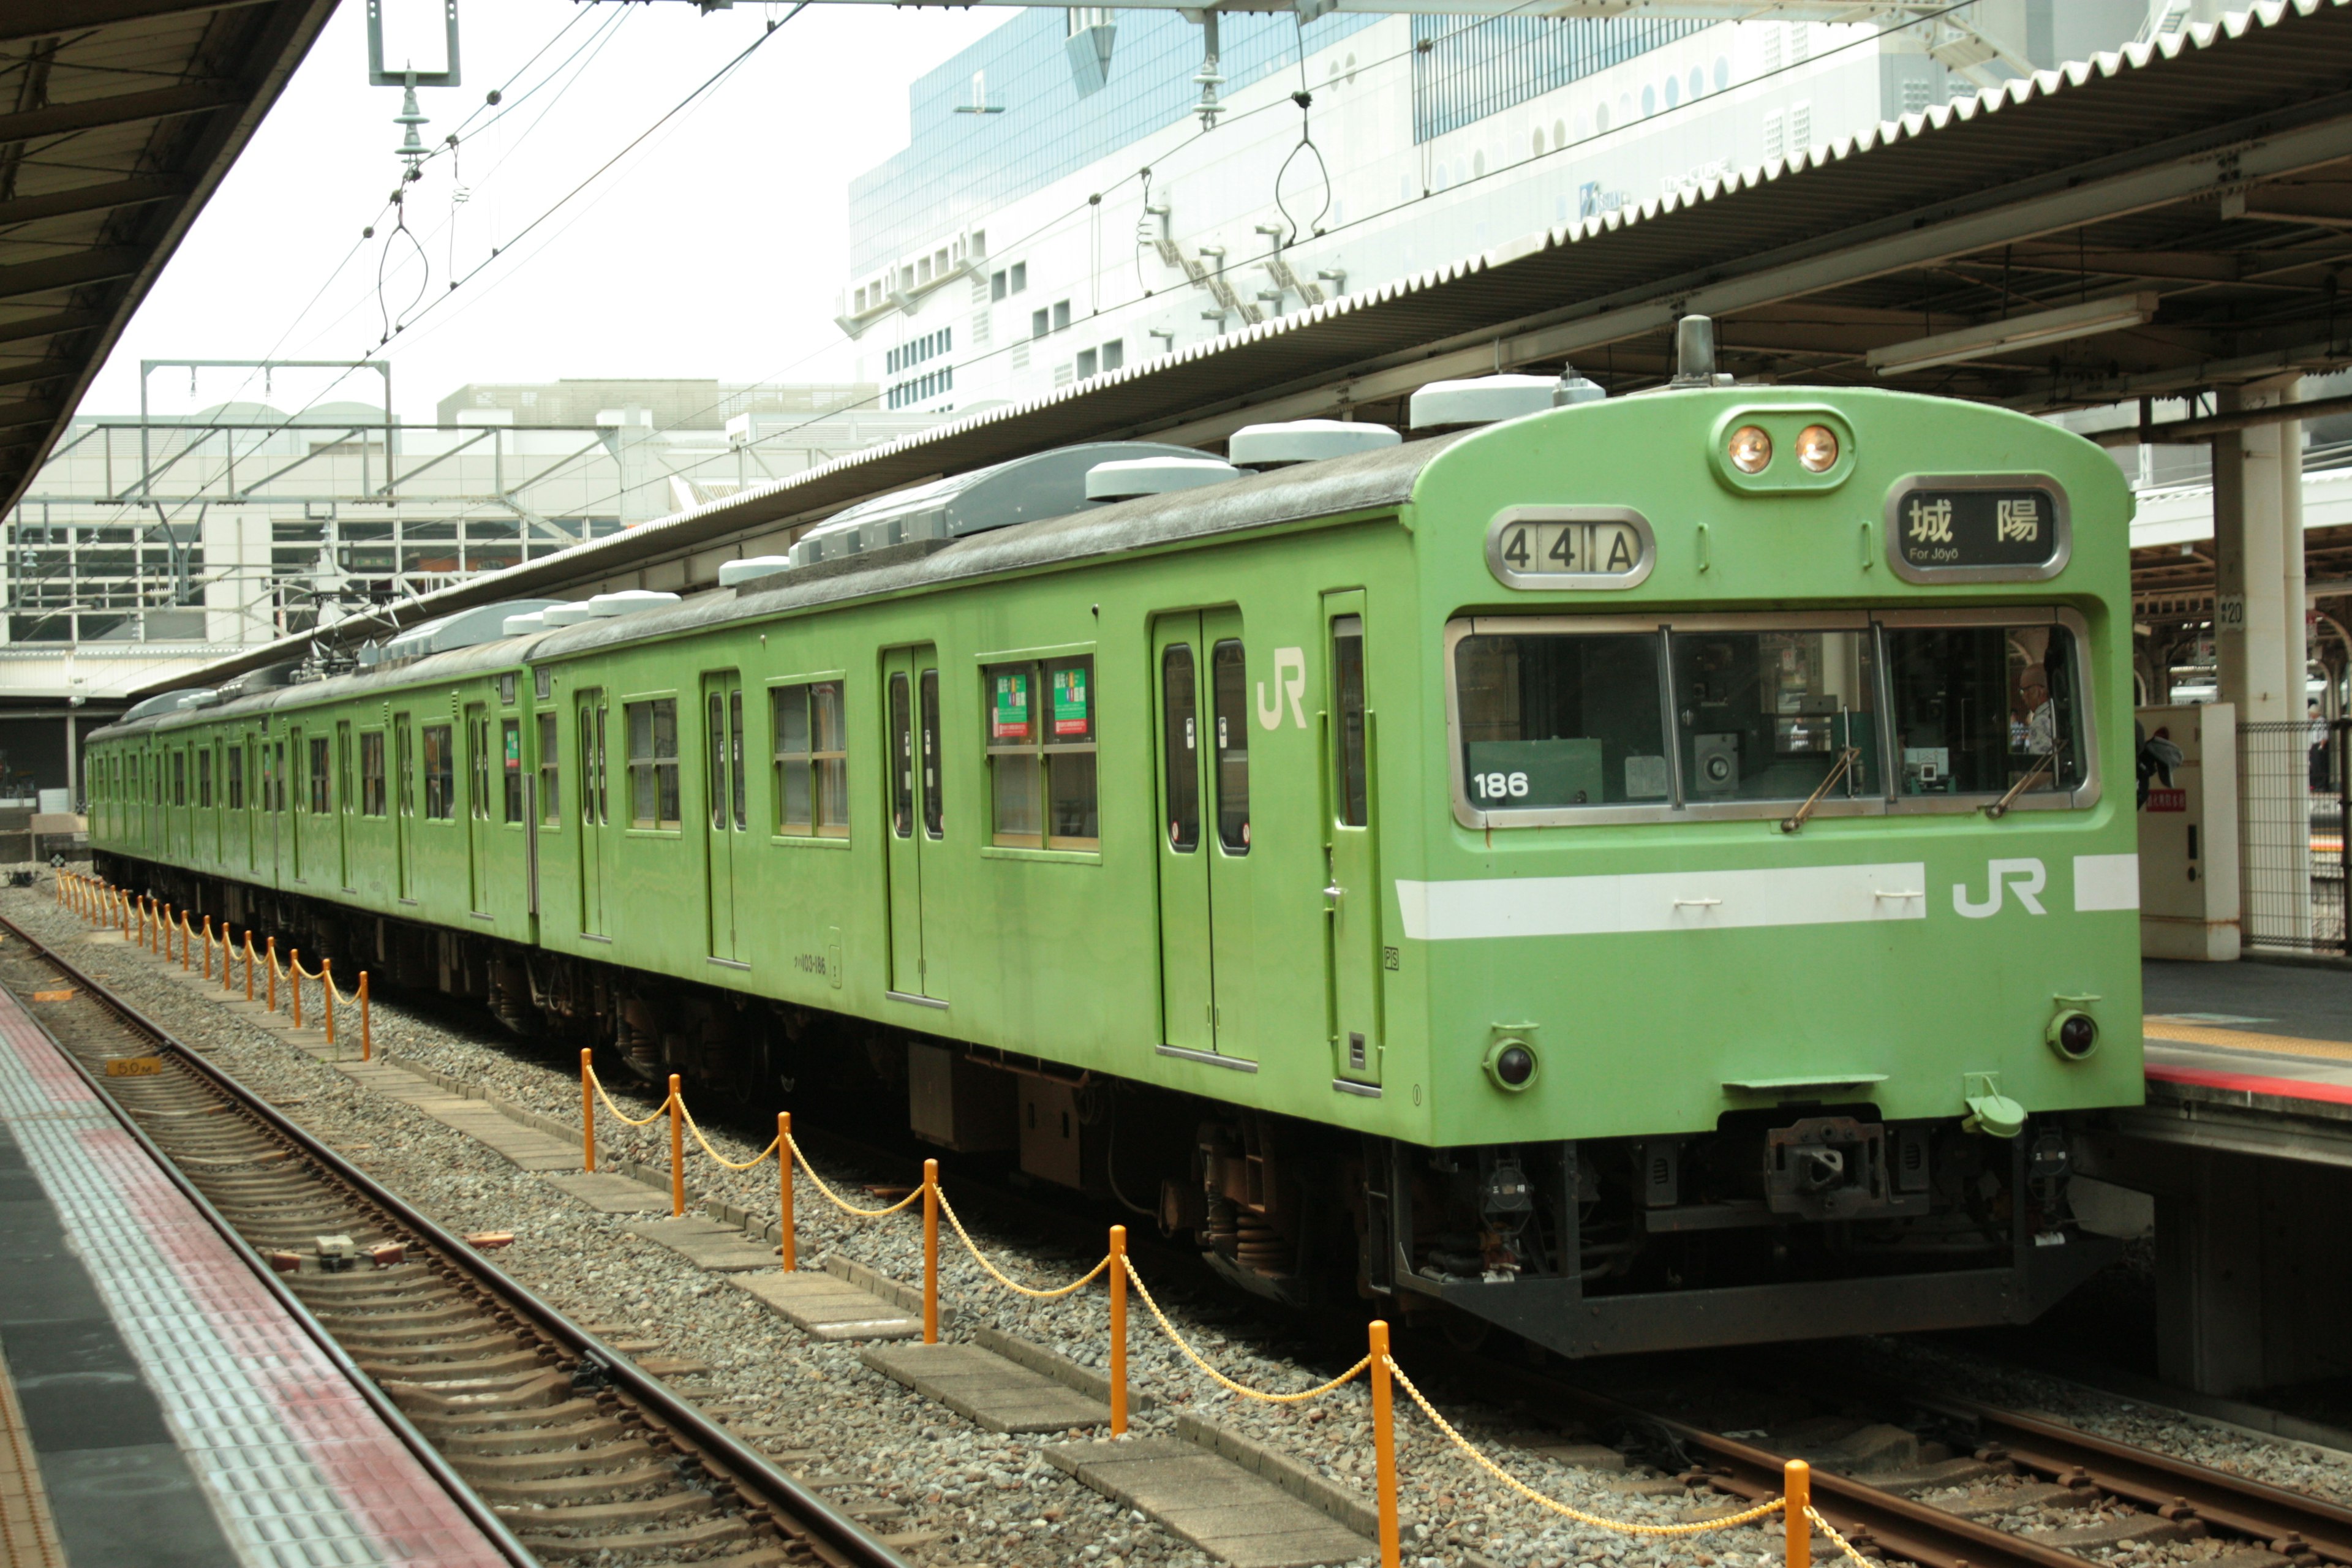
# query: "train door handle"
{"points": [[1335, 892]]}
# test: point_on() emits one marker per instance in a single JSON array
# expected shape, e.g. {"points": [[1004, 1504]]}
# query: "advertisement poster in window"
{"points": [[1010, 721], [1070, 700]]}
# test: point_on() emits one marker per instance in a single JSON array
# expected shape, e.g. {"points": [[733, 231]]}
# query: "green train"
{"points": [[1643, 872]]}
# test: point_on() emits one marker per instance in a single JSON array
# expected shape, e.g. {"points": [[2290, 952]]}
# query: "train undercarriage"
{"points": [[1798, 1221]]}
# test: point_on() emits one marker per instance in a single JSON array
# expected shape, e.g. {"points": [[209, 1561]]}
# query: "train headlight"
{"points": [[1749, 449], [1511, 1064], [2073, 1035], [1817, 449]]}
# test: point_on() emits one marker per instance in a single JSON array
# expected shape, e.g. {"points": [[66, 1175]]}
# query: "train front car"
{"points": [[1773, 906]]}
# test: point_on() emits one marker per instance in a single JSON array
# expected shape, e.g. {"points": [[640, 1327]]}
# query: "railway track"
{"points": [[561, 1447], [1997, 1460]]}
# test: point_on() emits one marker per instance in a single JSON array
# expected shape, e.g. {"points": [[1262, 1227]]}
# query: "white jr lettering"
{"points": [[2023, 878]]}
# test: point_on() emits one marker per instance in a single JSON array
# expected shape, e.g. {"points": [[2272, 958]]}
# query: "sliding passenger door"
{"points": [[916, 827], [480, 774], [589, 714], [724, 823], [1200, 705], [404, 820], [1351, 898]]}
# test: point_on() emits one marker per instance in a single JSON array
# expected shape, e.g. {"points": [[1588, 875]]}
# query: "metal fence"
{"points": [[2294, 793]]}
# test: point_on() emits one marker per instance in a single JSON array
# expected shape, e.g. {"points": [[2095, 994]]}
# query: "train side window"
{"points": [[551, 771], [371, 773], [440, 773], [1347, 668], [320, 804], [343, 791], [1229, 706], [510, 760], [404, 760], [1041, 754], [653, 763], [179, 778], [477, 748], [735, 786], [902, 757], [1180, 706], [934, 805], [812, 760], [235, 781], [205, 776]]}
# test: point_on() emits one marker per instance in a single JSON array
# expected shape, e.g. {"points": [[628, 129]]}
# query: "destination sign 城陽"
{"points": [[1972, 529]]}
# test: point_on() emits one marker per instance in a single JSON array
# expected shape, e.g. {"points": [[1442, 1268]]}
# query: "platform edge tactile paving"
{"points": [[299, 1469]]}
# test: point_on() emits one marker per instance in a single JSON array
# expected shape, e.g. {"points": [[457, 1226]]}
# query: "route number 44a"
{"points": [[1499, 786]]}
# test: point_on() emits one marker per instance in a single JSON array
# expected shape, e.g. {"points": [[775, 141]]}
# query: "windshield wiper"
{"points": [[2041, 764], [1846, 759]]}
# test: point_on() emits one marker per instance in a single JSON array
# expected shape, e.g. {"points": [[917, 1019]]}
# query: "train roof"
{"points": [[1362, 481]]}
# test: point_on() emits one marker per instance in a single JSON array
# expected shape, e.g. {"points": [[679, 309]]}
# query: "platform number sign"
{"points": [[1569, 547], [1977, 529]]}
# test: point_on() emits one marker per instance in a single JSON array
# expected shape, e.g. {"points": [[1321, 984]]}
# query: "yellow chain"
{"points": [[623, 1116], [994, 1274], [761, 1159], [835, 1198], [1194, 1356], [1843, 1543], [1533, 1496]]}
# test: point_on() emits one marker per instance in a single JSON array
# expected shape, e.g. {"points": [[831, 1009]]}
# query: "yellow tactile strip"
{"points": [[2157, 1026], [28, 1539]]}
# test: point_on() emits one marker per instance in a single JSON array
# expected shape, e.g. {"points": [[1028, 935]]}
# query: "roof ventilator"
{"points": [[1481, 400], [604, 607], [1305, 441], [1047, 484], [732, 574], [465, 628], [1126, 479]]}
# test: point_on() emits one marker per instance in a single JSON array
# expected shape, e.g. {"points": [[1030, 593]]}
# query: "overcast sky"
{"points": [[715, 250]]}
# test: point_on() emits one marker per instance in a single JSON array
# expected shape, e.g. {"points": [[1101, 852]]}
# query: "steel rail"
{"points": [[1864, 1514], [759, 1483], [2157, 1481]]}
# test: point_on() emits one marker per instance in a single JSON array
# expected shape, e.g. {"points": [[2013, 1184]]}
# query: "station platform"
{"points": [[158, 1405], [2254, 1033]]}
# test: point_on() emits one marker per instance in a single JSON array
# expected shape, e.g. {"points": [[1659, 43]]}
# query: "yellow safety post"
{"points": [[228, 959], [1797, 1521], [165, 931], [185, 934], [930, 1252], [784, 1185], [1384, 1446], [61, 889], [1118, 1329], [677, 1152], [294, 981], [249, 963], [208, 947], [273, 973], [327, 996], [367, 1025], [587, 1110]]}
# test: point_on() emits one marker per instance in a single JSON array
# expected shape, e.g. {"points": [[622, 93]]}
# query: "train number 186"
{"points": [[1499, 786]]}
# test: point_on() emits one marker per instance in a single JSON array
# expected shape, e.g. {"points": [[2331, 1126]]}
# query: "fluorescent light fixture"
{"points": [[2068, 321]]}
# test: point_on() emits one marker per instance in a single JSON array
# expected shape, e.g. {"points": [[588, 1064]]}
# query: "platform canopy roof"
{"points": [[2169, 220], [118, 119]]}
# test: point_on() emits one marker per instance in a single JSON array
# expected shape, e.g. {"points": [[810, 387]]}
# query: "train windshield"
{"points": [[1715, 711]]}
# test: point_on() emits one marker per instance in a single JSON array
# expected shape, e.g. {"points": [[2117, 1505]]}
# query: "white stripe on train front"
{"points": [[1722, 900], [1666, 900]]}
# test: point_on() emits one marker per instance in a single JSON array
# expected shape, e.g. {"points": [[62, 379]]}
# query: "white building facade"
{"points": [[1037, 231]]}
